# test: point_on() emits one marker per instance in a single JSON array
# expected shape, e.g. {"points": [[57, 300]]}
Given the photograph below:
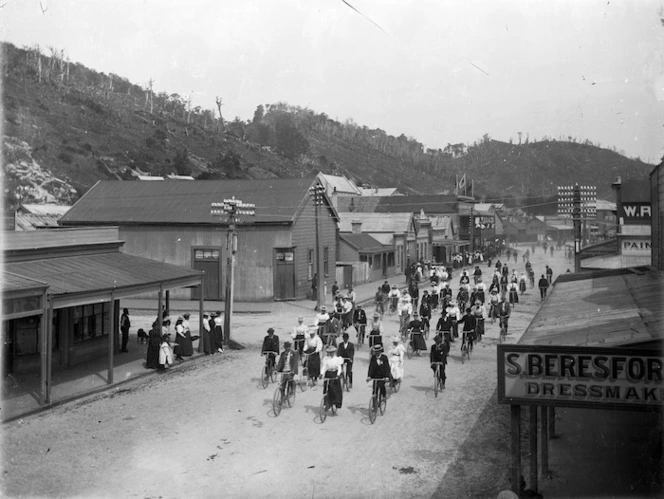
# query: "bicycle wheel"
{"points": [[435, 384], [396, 386], [264, 377], [344, 382], [382, 404], [373, 409], [323, 409], [409, 351], [426, 333], [273, 374], [463, 353], [277, 402]]}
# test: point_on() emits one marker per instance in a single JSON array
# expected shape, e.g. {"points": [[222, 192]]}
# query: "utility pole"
{"points": [[232, 209], [316, 192], [576, 218]]}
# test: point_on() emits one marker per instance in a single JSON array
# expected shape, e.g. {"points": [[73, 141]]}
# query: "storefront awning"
{"points": [[82, 279], [604, 308]]}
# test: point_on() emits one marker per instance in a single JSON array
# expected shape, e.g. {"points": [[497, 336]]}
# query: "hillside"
{"points": [[67, 126]]}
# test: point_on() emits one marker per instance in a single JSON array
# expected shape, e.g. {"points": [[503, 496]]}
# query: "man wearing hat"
{"points": [[444, 327], [396, 354], [312, 348], [379, 368], [360, 323], [299, 334], [438, 353], [288, 364], [346, 351], [375, 331], [125, 324], [331, 368], [270, 346]]}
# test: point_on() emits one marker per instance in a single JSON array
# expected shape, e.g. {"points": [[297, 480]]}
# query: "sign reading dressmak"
{"points": [[580, 376]]}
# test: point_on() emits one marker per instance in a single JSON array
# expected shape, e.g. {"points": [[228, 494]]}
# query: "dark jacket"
{"points": [[348, 353], [376, 370], [294, 361]]}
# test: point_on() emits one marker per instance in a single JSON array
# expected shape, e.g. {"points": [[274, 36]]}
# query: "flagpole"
{"points": [[456, 184]]}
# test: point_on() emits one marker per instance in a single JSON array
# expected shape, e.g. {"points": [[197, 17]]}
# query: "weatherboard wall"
{"points": [[174, 243]]}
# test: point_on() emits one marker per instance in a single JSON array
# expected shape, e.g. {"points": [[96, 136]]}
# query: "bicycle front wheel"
{"points": [[264, 377], [277, 402], [323, 409], [344, 383], [290, 394], [273, 375], [435, 384], [409, 351], [463, 353], [382, 404], [396, 385], [373, 409]]}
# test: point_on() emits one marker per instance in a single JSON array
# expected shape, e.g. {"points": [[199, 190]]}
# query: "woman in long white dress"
{"points": [[395, 356]]}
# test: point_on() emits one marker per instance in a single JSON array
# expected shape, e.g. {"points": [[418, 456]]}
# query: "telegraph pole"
{"points": [[316, 192], [576, 218], [232, 209]]}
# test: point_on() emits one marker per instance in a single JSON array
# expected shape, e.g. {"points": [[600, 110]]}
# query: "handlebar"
{"points": [[378, 379], [438, 363], [269, 353]]}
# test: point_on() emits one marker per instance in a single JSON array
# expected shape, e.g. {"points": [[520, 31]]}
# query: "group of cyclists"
{"points": [[326, 351]]}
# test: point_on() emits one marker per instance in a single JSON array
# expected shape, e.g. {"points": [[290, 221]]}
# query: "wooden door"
{"points": [[209, 261], [284, 274]]}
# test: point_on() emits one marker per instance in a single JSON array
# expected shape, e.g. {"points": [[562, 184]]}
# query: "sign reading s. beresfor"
{"points": [[580, 376]]}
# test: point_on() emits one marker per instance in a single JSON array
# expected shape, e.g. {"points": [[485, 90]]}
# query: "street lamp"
{"points": [[316, 192], [232, 209]]}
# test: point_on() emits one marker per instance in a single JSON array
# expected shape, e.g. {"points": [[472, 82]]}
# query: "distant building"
{"points": [[604, 226], [170, 221], [38, 216]]}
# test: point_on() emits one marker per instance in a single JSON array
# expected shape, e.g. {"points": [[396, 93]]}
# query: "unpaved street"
{"points": [[207, 430]]}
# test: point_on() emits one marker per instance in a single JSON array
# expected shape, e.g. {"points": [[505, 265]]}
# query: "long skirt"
{"points": [[206, 341], [299, 343], [333, 389], [217, 339], [418, 342], [396, 367], [183, 345], [514, 296], [313, 365], [152, 359]]}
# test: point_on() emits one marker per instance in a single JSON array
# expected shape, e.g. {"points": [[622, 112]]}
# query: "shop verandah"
{"points": [[61, 305]]}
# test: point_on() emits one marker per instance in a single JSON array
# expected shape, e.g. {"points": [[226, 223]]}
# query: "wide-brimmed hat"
{"points": [[330, 349], [287, 344], [376, 348], [323, 308], [300, 318], [376, 314], [394, 338]]}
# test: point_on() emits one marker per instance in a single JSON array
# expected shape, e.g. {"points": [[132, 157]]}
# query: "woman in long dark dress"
{"points": [[154, 341], [183, 346]]}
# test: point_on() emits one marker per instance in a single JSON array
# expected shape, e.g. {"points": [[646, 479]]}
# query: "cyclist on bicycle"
{"points": [[331, 368], [299, 334], [479, 311], [444, 327], [522, 283], [435, 290], [394, 295], [405, 311], [462, 298], [346, 351], [504, 311], [469, 327], [379, 302], [454, 312], [445, 294], [425, 313], [313, 346], [270, 347], [477, 274], [416, 330], [438, 353], [321, 320], [360, 323], [379, 367], [375, 331], [288, 364], [396, 359], [464, 279]]}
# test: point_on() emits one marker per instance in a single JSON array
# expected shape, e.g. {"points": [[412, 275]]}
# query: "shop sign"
{"points": [[635, 247], [621, 378]]}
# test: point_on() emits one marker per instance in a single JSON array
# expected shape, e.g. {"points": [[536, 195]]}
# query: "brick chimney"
{"points": [[356, 226]]}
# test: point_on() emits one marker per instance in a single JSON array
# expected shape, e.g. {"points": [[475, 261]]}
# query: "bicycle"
{"points": [[361, 332], [304, 376], [466, 345], [268, 372], [345, 377], [377, 402], [284, 394], [325, 405], [438, 383], [503, 331], [427, 327]]}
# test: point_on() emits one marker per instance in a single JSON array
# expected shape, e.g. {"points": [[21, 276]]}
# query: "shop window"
{"points": [[27, 335], [91, 321]]}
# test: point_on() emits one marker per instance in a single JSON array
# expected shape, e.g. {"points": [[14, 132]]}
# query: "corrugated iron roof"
{"points": [[340, 183], [12, 282], [364, 243], [377, 222], [28, 221], [378, 191], [187, 202], [605, 308], [90, 273], [44, 209]]}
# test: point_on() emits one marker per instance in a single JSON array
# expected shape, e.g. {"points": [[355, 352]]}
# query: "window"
{"points": [[376, 262], [325, 258], [27, 335], [390, 259], [91, 321], [310, 264]]}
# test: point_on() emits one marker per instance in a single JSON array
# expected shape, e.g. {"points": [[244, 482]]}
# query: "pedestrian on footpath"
{"points": [[218, 334], [125, 324], [154, 341], [549, 274], [543, 285], [205, 335]]}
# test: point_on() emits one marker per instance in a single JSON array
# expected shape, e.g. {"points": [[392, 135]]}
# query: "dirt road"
{"points": [[207, 430]]}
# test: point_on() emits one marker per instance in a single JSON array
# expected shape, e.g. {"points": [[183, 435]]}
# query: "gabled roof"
{"points": [[277, 200], [377, 222], [440, 222], [432, 204], [378, 191], [338, 184], [358, 204], [44, 209], [364, 243]]}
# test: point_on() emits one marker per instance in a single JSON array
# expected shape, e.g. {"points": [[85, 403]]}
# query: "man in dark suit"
{"points": [[379, 367], [346, 350], [289, 361]]}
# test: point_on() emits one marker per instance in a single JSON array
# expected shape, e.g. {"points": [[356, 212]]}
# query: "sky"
{"points": [[439, 71]]}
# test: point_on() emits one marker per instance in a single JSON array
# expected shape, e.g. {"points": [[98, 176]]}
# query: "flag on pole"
{"points": [[462, 183]]}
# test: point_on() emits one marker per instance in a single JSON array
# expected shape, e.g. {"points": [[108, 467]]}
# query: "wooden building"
{"points": [[61, 290], [170, 221], [657, 219]]}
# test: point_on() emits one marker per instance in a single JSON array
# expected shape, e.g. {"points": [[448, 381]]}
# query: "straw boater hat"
{"points": [[376, 315], [300, 319], [330, 349], [394, 338], [376, 348]]}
